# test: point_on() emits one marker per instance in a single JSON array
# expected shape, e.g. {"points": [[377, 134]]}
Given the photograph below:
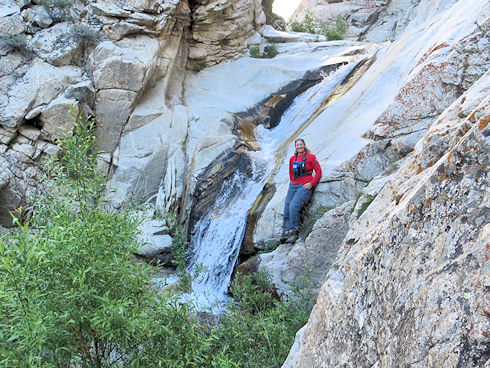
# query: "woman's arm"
{"points": [[318, 174], [291, 176]]}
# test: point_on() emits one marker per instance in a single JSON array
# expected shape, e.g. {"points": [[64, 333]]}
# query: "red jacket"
{"points": [[310, 163]]}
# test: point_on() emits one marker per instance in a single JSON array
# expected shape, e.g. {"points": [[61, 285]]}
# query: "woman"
{"points": [[301, 167]]}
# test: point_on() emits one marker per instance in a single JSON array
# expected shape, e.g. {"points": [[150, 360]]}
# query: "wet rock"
{"points": [[249, 266], [210, 182], [212, 99]]}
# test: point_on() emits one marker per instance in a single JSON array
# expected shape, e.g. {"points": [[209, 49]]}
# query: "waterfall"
{"points": [[217, 235]]}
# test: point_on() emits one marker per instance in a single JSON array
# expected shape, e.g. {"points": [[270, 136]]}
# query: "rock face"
{"points": [[120, 73], [219, 29], [409, 285], [402, 138], [216, 94], [354, 145], [288, 264], [374, 21]]}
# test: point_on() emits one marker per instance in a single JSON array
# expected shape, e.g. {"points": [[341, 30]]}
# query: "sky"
{"points": [[285, 8]]}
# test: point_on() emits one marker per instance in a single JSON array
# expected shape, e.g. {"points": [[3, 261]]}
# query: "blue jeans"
{"points": [[296, 198]]}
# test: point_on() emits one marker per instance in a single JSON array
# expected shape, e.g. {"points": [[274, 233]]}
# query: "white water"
{"points": [[218, 235]]}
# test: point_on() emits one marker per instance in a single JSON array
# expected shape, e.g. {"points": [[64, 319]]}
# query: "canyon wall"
{"points": [[124, 64]]}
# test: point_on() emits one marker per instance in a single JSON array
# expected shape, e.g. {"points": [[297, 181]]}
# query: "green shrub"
{"points": [[309, 219], [336, 31], [270, 245], [365, 204], [255, 51], [179, 251], [254, 293], [308, 25], [270, 51], [84, 33], [16, 42], [71, 294], [197, 67], [258, 331]]}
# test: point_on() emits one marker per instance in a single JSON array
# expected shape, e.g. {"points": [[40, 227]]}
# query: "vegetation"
{"points": [[255, 51], [306, 225], [259, 330], [71, 294], [308, 25], [335, 31], [16, 42], [270, 245], [197, 67], [179, 251], [84, 33], [270, 51], [369, 199]]}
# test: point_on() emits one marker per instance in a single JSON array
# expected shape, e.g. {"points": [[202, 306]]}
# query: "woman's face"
{"points": [[300, 146]]}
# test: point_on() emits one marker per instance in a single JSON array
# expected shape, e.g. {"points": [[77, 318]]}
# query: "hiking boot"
{"points": [[285, 235], [293, 236]]}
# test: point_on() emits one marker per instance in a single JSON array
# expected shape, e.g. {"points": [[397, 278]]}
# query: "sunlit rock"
{"points": [[220, 29], [289, 264], [57, 120], [40, 84], [347, 138], [124, 65], [413, 267], [150, 152]]}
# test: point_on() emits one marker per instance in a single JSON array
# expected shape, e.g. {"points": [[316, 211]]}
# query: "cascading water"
{"points": [[217, 235]]}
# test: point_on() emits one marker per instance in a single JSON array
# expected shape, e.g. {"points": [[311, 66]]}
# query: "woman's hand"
{"points": [[308, 186]]}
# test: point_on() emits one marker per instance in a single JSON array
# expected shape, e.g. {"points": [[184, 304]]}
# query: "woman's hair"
{"points": [[306, 148]]}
